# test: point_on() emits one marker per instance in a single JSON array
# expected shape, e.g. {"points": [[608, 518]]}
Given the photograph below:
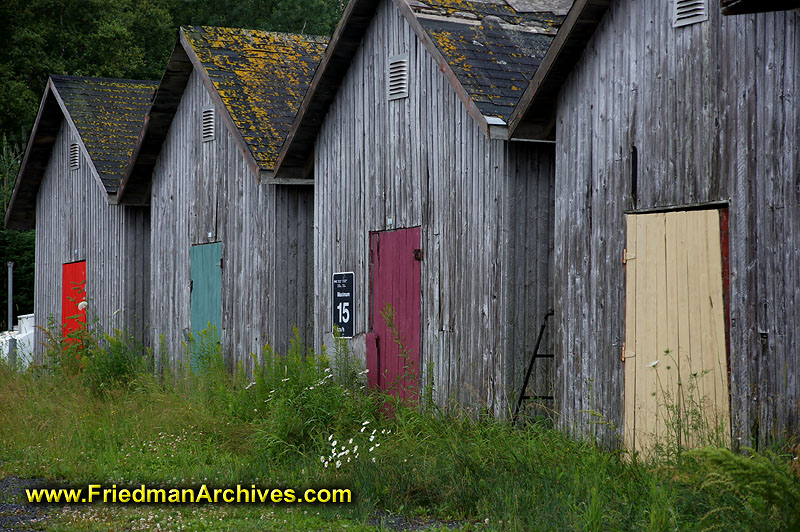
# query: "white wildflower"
{"points": [[338, 464], [653, 364], [250, 385], [365, 423], [82, 305]]}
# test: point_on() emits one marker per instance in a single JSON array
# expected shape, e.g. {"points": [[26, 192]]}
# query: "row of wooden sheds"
{"points": [[435, 181]]}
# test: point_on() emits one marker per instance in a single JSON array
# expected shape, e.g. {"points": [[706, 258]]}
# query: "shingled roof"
{"points": [[261, 77], [259, 80], [107, 116], [488, 49], [492, 48]]}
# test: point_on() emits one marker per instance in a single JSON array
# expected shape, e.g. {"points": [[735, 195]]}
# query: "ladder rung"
{"points": [[535, 397]]}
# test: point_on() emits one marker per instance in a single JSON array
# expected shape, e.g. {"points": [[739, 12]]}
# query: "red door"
{"points": [[393, 346], [73, 313]]}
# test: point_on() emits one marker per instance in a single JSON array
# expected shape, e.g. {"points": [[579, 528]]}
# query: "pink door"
{"points": [[393, 346]]}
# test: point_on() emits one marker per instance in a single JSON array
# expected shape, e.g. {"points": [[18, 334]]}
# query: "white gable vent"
{"points": [[686, 12], [208, 124], [398, 77], [74, 156]]}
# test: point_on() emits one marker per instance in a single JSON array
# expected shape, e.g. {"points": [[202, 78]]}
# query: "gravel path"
{"points": [[14, 515]]}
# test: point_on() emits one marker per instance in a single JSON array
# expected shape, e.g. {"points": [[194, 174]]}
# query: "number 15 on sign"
{"points": [[344, 312]]}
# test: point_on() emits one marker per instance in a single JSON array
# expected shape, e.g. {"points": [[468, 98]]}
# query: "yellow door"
{"points": [[676, 369]]}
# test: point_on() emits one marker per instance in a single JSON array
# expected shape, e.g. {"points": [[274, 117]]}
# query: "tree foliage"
{"points": [[107, 38]]}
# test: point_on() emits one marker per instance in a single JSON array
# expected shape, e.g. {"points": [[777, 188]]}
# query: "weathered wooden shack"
{"points": [[232, 244], [420, 195], [88, 248], [677, 217]]}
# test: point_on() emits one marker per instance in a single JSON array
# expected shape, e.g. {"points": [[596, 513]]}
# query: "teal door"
{"points": [[206, 302]]}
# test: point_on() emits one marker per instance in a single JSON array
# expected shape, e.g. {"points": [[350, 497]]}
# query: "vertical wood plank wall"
{"points": [[204, 192], [529, 250], [422, 161], [712, 110], [75, 222]]}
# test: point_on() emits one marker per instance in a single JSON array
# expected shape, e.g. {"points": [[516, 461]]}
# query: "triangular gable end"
{"points": [[535, 115], [233, 67], [63, 97]]}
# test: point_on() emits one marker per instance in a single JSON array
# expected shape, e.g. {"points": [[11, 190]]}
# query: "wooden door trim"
{"points": [[703, 206]]}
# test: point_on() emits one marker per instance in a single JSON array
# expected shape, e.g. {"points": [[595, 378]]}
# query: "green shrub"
{"points": [[102, 361]]}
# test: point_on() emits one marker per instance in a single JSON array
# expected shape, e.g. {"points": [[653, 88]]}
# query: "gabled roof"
{"points": [[492, 48], [106, 115], [487, 49], [257, 80]]}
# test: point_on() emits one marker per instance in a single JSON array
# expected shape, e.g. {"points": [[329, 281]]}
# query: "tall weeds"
{"points": [[304, 421]]}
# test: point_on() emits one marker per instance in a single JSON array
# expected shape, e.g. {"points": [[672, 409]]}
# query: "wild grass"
{"points": [[304, 421]]}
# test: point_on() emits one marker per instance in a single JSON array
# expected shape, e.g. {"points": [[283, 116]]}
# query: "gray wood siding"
{"points": [[420, 161], [529, 220], [205, 192], [712, 110], [74, 222]]}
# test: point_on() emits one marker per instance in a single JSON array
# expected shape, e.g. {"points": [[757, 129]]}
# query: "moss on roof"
{"points": [[493, 49], [261, 77], [109, 115]]}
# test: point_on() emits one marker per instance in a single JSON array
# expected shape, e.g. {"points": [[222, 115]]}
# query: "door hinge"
{"points": [[625, 355], [626, 257], [418, 255], [191, 285], [220, 264]]}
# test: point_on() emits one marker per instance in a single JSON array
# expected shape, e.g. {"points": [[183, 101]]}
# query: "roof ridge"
{"points": [[98, 78], [270, 32]]}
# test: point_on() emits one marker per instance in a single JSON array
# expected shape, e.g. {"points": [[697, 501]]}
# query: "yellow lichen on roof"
{"points": [[109, 115], [261, 77], [452, 53]]}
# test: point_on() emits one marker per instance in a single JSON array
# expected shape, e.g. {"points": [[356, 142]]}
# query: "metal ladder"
{"points": [[536, 355]]}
